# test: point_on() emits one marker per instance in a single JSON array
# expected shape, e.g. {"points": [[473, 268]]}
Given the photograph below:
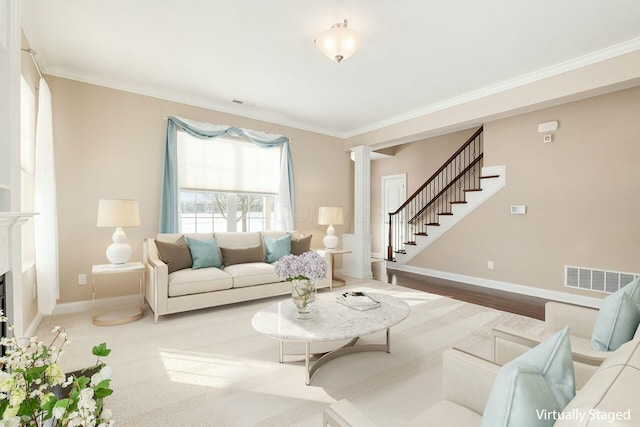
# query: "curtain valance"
{"points": [[170, 197]]}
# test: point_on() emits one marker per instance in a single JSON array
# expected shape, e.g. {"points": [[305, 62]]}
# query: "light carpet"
{"points": [[210, 368]]}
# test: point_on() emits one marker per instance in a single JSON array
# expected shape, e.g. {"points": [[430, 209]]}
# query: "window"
{"points": [[226, 184]]}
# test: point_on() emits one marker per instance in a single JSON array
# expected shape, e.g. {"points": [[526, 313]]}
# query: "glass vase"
{"points": [[303, 294]]}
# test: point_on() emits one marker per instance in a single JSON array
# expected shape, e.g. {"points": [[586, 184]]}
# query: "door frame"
{"points": [[385, 230]]}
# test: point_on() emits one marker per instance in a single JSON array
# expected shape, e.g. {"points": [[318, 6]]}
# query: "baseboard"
{"points": [[33, 326], [503, 286], [80, 306]]}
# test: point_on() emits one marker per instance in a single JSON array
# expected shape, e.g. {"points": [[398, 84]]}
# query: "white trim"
{"points": [[207, 103], [385, 234], [82, 306], [544, 73], [33, 327], [503, 286], [377, 255]]}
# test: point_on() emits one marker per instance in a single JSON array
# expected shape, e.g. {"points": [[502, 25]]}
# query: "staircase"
{"points": [[459, 186]]}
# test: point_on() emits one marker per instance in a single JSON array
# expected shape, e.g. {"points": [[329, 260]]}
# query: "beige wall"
{"points": [[110, 144], [581, 193]]}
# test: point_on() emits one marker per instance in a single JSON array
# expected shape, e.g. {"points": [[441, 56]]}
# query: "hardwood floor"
{"points": [[506, 301]]}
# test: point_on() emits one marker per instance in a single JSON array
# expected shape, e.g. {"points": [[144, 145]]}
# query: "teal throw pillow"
{"points": [[531, 387], [618, 318], [277, 248], [204, 253]]}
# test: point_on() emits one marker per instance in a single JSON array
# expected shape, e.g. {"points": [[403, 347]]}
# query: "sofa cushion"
{"points": [[188, 281], [301, 245], [609, 393], [175, 254], [250, 274], [204, 253], [539, 382], [231, 256], [618, 318], [276, 248]]}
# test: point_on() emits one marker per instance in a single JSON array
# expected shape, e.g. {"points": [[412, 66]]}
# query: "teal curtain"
{"points": [[170, 197]]}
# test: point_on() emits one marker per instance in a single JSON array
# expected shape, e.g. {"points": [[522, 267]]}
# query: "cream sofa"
{"points": [[611, 392], [189, 289]]}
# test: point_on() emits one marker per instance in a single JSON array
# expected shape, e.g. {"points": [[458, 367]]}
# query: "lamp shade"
{"points": [[330, 216], [118, 213], [338, 42]]}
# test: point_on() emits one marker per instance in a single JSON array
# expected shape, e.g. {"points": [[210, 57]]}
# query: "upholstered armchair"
{"points": [[510, 343]]}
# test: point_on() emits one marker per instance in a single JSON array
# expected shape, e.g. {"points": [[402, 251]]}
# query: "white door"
{"points": [[394, 193]]}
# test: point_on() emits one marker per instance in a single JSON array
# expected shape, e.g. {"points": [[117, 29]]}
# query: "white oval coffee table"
{"points": [[332, 321]]}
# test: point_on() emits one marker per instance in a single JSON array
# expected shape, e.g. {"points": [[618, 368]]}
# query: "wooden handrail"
{"points": [[444, 165]]}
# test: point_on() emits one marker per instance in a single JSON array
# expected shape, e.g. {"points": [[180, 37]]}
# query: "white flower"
{"points": [[54, 374], [11, 411], [86, 394], [10, 422], [103, 374], [106, 414], [58, 412], [17, 397], [6, 382]]}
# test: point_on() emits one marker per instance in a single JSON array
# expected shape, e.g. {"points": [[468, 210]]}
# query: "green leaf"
{"points": [[3, 406], [83, 382], [50, 403], [102, 393], [101, 350], [102, 384], [62, 403]]}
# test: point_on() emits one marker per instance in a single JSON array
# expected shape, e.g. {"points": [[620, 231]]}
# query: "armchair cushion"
{"points": [[276, 248], [540, 379], [175, 255], [204, 253], [618, 318]]}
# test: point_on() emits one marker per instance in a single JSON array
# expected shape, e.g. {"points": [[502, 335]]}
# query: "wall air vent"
{"points": [[591, 279]]}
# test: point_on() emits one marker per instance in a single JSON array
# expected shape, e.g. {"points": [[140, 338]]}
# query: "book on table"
{"points": [[358, 300]]}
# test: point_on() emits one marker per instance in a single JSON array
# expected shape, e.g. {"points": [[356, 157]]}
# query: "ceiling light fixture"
{"points": [[338, 42]]}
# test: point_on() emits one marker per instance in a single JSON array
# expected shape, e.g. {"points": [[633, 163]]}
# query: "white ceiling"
{"points": [[415, 54]]}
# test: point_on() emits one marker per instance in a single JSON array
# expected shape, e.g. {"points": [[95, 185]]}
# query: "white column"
{"points": [[358, 262], [10, 151]]}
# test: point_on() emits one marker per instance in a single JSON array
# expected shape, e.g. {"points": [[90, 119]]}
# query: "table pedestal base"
{"points": [[347, 348]]}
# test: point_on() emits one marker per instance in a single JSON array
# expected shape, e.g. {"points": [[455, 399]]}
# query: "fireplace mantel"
{"points": [[7, 221]]}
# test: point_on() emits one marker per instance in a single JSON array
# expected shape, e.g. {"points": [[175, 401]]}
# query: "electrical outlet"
{"points": [[490, 265], [82, 279]]}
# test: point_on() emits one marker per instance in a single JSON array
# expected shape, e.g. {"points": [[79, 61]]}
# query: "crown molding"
{"points": [[544, 73], [271, 117], [172, 96]]}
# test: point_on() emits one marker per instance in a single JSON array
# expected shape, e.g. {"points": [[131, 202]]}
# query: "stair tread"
{"points": [[445, 213], [489, 176], [410, 243], [459, 202], [473, 189], [432, 224], [420, 234]]}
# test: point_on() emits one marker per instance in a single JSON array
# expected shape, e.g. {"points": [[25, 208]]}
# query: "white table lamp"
{"points": [[330, 216], [118, 213]]}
